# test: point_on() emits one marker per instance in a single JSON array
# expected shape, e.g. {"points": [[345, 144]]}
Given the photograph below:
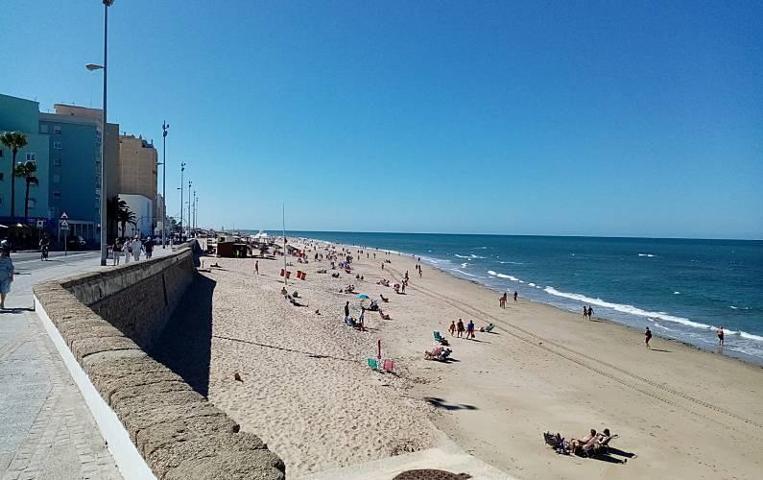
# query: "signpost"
{"points": [[63, 226]]}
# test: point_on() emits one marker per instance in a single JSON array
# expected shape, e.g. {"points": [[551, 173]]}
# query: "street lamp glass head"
{"points": [[93, 66], [108, 3]]}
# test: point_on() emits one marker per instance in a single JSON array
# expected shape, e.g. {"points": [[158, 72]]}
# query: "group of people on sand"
{"points": [[503, 299], [457, 329]]}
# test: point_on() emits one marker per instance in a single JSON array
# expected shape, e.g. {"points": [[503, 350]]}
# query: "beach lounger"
{"points": [[439, 338]]}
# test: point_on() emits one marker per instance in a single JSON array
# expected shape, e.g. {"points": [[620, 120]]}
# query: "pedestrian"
{"points": [[127, 249], [361, 318], [585, 311], [256, 267], [460, 328], [149, 247], [6, 271], [382, 266], [470, 329], [590, 313], [117, 251], [452, 328], [647, 337], [720, 336], [137, 248], [515, 295], [347, 309]]}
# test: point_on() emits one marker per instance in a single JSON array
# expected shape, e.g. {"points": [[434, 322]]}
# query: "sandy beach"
{"points": [[306, 390]]}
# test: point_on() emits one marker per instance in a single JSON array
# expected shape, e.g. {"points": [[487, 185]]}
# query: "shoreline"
{"points": [[435, 263]]}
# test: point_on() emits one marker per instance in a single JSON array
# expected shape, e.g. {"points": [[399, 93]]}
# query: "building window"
{"points": [[44, 128], [56, 194], [56, 178], [57, 129], [30, 157], [57, 162], [57, 146]]}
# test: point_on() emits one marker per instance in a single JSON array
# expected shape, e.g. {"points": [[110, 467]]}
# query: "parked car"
{"points": [[76, 242]]}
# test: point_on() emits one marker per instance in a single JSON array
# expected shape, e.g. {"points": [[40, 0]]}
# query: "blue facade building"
{"points": [[66, 147]]}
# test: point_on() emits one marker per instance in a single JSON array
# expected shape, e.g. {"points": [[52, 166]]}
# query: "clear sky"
{"points": [[590, 118]]}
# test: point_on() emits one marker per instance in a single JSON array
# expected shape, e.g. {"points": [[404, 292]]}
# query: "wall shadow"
{"points": [[185, 345]]}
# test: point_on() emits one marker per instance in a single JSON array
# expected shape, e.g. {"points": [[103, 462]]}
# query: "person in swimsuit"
{"points": [[647, 337], [515, 295], [452, 328], [460, 328], [720, 336]]}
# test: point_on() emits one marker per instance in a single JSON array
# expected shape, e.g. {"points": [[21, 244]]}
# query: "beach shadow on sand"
{"points": [[445, 405], [185, 345]]}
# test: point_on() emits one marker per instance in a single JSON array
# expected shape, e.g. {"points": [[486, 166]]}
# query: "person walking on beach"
{"points": [[515, 295], [460, 328], [470, 329], [256, 267], [647, 337], [585, 311], [6, 271], [346, 309], [452, 328], [590, 313], [720, 336]]}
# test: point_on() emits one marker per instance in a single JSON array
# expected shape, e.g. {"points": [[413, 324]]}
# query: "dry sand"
{"points": [[307, 392]]}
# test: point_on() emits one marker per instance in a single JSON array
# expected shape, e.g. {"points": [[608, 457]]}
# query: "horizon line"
{"points": [[510, 234]]}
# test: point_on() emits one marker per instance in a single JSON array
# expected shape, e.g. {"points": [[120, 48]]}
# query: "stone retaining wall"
{"points": [[176, 430]]}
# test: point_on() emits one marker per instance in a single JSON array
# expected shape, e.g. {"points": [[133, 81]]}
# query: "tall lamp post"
{"points": [[165, 127], [104, 67], [190, 221], [182, 169]]}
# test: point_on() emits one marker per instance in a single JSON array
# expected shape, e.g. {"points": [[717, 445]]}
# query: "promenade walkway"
{"points": [[46, 429]]}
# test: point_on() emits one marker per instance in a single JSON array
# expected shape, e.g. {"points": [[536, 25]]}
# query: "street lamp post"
{"points": [[91, 67], [182, 169], [190, 222], [165, 127]]}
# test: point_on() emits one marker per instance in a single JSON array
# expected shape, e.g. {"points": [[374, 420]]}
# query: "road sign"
{"points": [[63, 225], [64, 216], [40, 223]]}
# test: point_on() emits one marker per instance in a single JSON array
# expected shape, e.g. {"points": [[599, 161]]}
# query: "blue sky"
{"points": [[590, 118]]}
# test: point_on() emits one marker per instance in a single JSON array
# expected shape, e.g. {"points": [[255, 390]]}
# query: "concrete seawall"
{"points": [[107, 320]]}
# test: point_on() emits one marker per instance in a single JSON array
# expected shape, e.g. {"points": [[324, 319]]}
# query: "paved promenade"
{"points": [[46, 430]]}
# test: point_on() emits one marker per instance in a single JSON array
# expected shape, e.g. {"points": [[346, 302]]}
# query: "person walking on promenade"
{"points": [[647, 337], [460, 328], [117, 251], [720, 336], [256, 267], [149, 247], [137, 248], [127, 250], [6, 271]]}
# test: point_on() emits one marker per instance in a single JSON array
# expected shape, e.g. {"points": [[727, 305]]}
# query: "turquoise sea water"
{"points": [[682, 289]]}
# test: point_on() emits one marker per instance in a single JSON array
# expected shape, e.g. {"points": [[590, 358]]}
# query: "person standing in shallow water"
{"points": [[720, 336], [6, 271]]}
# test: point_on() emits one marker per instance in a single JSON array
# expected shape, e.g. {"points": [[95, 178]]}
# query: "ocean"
{"points": [[682, 289]]}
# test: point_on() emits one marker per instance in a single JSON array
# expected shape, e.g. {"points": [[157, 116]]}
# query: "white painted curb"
{"points": [[129, 462]]}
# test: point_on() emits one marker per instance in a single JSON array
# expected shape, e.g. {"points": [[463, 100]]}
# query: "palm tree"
{"points": [[27, 171], [113, 206], [126, 216], [14, 141]]}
